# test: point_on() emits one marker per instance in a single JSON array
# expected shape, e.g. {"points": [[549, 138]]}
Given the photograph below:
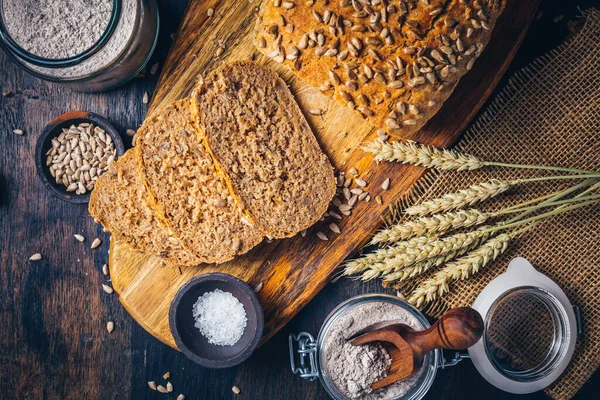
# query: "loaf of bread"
{"points": [[395, 63], [187, 194], [264, 148], [118, 202]]}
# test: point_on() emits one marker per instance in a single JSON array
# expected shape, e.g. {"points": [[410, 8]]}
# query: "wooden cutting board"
{"points": [[294, 270]]}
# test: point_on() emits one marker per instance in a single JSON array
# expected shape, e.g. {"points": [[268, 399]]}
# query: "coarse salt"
{"points": [[220, 317]]}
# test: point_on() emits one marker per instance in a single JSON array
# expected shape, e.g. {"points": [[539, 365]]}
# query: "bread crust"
{"points": [[395, 63]]}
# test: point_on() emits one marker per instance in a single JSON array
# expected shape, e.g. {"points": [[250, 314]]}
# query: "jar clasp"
{"points": [[307, 348]]}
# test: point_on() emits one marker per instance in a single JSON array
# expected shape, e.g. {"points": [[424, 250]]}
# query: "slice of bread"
{"points": [[263, 146], [189, 197], [118, 201]]}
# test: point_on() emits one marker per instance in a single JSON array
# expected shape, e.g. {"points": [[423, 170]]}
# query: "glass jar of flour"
{"points": [[91, 45], [330, 359]]}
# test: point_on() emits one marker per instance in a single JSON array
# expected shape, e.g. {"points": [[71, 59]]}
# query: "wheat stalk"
{"points": [[417, 269], [425, 156], [440, 223], [397, 258], [451, 201], [462, 268], [410, 152], [364, 263]]}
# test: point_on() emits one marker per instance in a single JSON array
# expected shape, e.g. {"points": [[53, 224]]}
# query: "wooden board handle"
{"points": [[459, 328]]}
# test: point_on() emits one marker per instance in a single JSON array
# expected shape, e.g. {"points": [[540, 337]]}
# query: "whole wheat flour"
{"points": [[354, 368], [56, 28]]}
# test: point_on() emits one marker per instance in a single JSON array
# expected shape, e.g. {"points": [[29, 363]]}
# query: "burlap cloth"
{"points": [[548, 114]]}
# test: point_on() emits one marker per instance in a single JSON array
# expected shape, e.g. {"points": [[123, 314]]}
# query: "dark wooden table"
{"points": [[53, 340]]}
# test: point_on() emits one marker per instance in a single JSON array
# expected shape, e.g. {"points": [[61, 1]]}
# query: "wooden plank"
{"points": [[293, 271]]}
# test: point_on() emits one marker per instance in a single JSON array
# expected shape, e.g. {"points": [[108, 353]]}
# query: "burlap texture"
{"points": [[548, 114]]}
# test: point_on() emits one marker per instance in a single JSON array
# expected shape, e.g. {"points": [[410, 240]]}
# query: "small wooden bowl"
{"points": [[44, 143], [189, 339]]}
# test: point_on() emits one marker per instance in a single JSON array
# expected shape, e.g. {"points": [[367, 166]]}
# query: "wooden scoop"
{"points": [[459, 328]]}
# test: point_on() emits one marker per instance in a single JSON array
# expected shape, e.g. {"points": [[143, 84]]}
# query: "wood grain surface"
{"points": [[294, 270], [53, 341]]}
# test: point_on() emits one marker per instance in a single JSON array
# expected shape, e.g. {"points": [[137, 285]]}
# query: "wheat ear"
{"points": [[439, 223], [401, 258], [410, 152], [425, 156], [461, 268], [363, 263], [452, 201]]}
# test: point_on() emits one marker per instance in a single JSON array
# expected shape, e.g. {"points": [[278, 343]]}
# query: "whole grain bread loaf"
{"points": [[118, 202], [189, 197], [264, 147], [395, 63]]}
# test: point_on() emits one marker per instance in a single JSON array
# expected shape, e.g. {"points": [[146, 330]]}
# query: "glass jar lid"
{"points": [[530, 330]]}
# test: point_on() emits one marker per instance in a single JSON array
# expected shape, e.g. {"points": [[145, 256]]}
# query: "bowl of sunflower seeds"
{"points": [[73, 151]]}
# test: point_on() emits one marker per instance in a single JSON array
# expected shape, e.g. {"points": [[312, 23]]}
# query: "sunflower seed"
{"points": [[105, 269], [79, 237], [97, 242], [235, 390], [162, 389], [169, 387], [152, 385], [315, 111], [146, 98], [107, 289], [386, 184], [361, 182], [36, 257], [18, 132], [333, 227], [210, 12], [110, 326], [322, 236], [181, 397]]}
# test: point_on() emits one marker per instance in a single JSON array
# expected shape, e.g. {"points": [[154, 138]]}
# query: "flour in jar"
{"points": [[354, 368]]}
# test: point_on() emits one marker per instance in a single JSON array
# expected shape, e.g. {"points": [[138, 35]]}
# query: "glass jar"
{"points": [[311, 364], [120, 54]]}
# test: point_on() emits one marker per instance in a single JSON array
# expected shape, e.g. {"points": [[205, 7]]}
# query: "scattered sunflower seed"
{"points": [[169, 387], [334, 228], [79, 237], [162, 389], [154, 68], [36, 257], [152, 385], [322, 236], [131, 132], [97, 242], [210, 12], [105, 269], [181, 397], [353, 171], [361, 182], [386, 184], [18, 132], [107, 289], [303, 233], [235, 390], [315, 111], [146, 98], [258, 287], [110, 326]]}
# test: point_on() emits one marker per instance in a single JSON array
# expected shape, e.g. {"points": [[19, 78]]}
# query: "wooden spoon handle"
{"points": [[459, 328]]}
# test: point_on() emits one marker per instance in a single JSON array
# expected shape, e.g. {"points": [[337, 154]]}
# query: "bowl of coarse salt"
{"points": [[216, 320]]}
